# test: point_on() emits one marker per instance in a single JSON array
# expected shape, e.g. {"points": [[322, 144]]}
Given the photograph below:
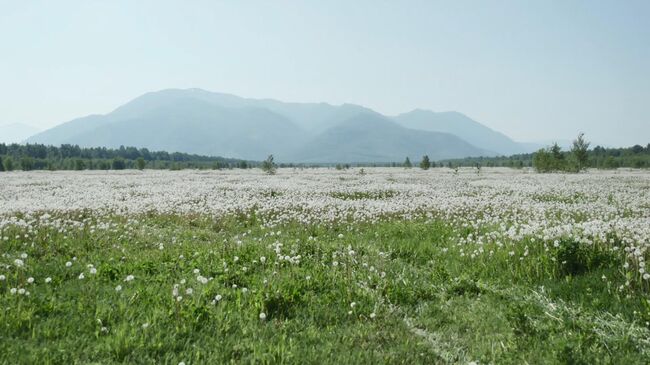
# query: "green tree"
{"points": [[27, 163], [407, 163], [2, 166], [425, 163], [118, 164], [79, 164], [543, 160], [140, 163], [580, 154], [269, 166]]}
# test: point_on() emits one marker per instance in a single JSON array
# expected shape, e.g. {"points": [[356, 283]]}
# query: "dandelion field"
{"points": [[324, 266]]}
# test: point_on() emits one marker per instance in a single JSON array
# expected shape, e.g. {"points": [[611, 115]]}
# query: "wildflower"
{"points": [[82, 276], [262, 259], [13, 290], [93, 271], [129, 278], [3, 278], [68, 264], [189, 291], [201, 279], [48, 279], [145, 326], [646, 276], [372, 315], [23, 255], [263, 316], [218, 297], [118, 288], [179, 298], [19, 263], [196, 271], [30, 280], [21, 291]]}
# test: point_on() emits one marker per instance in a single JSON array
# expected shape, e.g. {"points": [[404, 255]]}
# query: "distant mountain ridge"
{"points": [[217, 124]]}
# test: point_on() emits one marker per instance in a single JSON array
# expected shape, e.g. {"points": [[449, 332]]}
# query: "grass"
{"points": [[391, 292]]}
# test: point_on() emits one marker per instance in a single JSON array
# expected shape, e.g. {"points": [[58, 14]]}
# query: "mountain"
{"points": [[462, 126], [182, 124], [218, 124], [16, 132], [371, 137]]}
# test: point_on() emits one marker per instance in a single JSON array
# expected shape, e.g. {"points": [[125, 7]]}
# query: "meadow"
{"points": [[380, 265]]}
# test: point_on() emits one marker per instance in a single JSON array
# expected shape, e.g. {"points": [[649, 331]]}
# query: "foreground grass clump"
{"points": [[160, 288]]}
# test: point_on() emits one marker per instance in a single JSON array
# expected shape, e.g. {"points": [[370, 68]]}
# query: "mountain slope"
{"points": [[462, 126], [374, 138]]}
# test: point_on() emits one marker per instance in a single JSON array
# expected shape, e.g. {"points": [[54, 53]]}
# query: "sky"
{"points": [[534, 70]]}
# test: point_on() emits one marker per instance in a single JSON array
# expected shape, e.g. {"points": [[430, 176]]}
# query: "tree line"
{"points": [[553, 158], [72, 157]]}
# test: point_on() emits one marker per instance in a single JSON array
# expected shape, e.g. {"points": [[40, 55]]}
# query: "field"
{"points": [[324, 266]]}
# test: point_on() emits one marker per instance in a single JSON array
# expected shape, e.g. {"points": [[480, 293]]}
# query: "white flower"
{"points": [[201, 279], [129, 278], [81, 276], [372, 315], [93, 271], [3, 278], [118, 288], [218, 297], [196, 271], [189, 291], [48, 279], [21, 291], [68, 264], [19, 263], [353, 304], [262, 259], [145, 326], [262, 316], [23, 255], [30, 280], [646, 276], [13, 290], [179, 298]]}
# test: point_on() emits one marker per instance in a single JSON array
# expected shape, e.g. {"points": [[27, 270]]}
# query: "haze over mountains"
{"points": [[16, 132], [209, 123]]}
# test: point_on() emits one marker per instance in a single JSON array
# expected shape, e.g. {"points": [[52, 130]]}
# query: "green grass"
{"points": [[416, 298]]}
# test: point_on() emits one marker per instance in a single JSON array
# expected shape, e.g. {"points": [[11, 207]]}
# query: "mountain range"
{"points": [[210, 123]]}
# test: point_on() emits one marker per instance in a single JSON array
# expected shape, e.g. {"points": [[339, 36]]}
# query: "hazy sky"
{"points": [[535, 70]]}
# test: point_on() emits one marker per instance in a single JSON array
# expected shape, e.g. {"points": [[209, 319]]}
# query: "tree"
{"points": [[27, 163], [407, 163], [269, 166], [140, 163], [79, 164], [118, 164], [579, 152], [425, 163], [543, 160], [2, 166]]}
